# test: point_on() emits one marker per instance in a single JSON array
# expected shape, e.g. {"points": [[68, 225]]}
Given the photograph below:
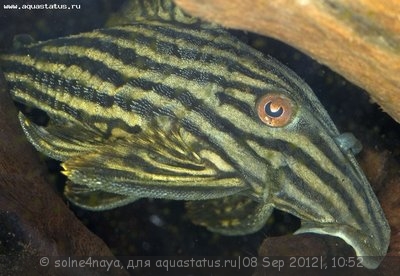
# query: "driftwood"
{"points": [[34, 221], [358, 39]]}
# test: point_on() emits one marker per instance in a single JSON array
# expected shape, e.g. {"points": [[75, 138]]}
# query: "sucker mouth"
{"points": [[369, 253], [327, 189]]}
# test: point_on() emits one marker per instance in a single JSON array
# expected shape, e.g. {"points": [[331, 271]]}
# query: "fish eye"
{"points": [[274, 109]]}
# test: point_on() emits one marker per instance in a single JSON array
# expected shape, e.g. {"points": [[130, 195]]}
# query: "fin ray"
{"points": [[95, 200], [143, 166], [58, 141], [144, 10]]}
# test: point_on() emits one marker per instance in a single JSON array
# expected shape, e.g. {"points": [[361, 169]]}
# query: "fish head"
{"points": [[315, 175]]}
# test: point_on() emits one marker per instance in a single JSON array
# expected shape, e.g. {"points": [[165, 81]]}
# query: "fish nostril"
{"points": [[348, 142]]}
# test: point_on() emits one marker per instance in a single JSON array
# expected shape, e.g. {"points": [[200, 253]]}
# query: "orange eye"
{"points": [[275, 110]]}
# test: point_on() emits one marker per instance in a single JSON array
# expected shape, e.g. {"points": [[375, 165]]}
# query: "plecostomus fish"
{"points": [[171, 107]]}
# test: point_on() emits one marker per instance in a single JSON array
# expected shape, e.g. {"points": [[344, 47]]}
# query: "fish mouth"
{"points": [[324, 186], [367, 253]]}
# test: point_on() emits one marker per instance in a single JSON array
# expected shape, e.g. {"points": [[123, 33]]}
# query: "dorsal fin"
{"points": [[140, 10]]}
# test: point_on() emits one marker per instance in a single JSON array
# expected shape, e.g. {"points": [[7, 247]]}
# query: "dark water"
{"points": [[160, 227]]}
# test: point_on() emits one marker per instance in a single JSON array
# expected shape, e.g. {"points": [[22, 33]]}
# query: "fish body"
{"points": [[180, 109]]}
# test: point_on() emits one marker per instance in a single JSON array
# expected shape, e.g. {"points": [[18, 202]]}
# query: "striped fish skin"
{"points": [[164, 109]]}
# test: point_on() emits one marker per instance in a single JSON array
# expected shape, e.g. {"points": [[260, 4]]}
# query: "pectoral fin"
{"points": [[137, 173], [232, 215], [143, 166], [60, 140], [95, 200]]}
